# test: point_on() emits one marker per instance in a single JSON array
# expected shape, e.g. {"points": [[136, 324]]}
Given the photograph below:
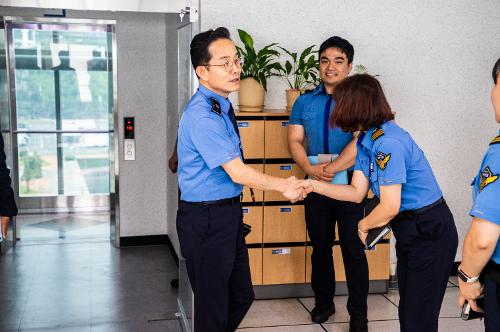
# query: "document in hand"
{"points": [[340, 177], [375, 234]]}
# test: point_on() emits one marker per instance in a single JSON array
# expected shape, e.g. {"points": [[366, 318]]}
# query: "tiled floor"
{"points": [[88, 285]]}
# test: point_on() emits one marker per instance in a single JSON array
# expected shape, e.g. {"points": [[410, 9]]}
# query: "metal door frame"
{"points": [[68, 203]]}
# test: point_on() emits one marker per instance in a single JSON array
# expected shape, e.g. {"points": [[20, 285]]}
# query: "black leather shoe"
{"points": [[358, 324], [320, 314]]}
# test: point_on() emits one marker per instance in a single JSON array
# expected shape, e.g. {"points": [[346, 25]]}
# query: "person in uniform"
{"points": [[8, 208], [481, 249], [390, 163], [309, 123], [211, 175]]}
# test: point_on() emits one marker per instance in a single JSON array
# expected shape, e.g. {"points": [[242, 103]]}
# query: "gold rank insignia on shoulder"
{"points": [[487, 177], [495, 140], [377, 133], [216, 107], [382, 160]]}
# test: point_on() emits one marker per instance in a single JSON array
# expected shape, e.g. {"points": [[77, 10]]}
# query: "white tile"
{"points": [[378, 308], [293, 328], [375, 326], [267, 313], [459, 325]]}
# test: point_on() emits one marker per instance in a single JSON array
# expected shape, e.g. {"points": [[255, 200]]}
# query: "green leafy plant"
{"points": [[301, 71], [32, 163], [260, 64]]}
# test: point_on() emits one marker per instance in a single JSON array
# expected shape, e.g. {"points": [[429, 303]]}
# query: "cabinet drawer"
{"points": [[259, 196], [252, 138], [284, 223], [283, 265], [255, 260], [378, 263], [276, 144], [282, 171], [253, 216]]}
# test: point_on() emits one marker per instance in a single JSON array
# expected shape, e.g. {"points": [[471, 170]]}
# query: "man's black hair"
{"points": [[339, 43], [201, 42], [496, 70]]}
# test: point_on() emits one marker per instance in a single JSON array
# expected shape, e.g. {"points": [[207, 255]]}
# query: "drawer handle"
{"points": [[243, 124], [284, 123], [281, 251], [245, 210], [286, 209], [285, 167]]}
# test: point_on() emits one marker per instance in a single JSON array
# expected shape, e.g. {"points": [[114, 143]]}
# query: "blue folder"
{"points": [[339, 178]]}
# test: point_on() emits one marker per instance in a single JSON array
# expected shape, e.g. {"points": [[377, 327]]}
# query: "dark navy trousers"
{"points": [[426, 245], [211, 241], [491, 306], [322, 213]]}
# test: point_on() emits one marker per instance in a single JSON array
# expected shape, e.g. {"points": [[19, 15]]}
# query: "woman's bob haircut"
{"points": [[360, 104]]}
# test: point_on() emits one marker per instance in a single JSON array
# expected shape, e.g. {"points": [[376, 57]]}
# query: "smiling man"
{"points": [[309, 122], [211, 176]]}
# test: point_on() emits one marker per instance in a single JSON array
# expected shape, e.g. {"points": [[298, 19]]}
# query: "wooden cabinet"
{"points": [[284, 224], [253, 215], [378, 262], [276, 142], [252, 138], [259, 194], [284, 170], [283, 265], [255, 260]]}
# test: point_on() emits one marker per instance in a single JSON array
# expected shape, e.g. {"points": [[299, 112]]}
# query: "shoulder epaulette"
{"points": [[495, 140], [377, 133], [216, 107]]}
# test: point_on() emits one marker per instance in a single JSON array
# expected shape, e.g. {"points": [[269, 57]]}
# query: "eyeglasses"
{"points": [[228, 65]]}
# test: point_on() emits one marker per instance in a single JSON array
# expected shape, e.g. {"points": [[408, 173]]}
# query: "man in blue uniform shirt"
{"points": [[309, 122], [481, 250], [211, 176]]}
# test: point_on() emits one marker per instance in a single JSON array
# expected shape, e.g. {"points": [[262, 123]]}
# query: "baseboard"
{"points": [[147, 240]]}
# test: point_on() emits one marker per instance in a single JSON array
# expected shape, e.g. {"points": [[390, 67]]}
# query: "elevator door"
{"points": [[62, 101]]}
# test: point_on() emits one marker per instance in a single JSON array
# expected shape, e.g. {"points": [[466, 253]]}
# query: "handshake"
{"points": [[296, 190]]}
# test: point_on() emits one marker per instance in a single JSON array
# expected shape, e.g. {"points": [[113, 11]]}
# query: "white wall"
{"points": [[434, 58]]}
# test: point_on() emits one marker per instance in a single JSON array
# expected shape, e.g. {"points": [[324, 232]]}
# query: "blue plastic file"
{"points": [[339, 178]]}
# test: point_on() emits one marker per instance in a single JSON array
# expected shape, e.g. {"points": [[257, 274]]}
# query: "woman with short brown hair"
{"points": [[390, 163]]}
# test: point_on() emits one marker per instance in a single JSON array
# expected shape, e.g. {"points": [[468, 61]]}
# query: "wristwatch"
{"points": [[465, 278]]}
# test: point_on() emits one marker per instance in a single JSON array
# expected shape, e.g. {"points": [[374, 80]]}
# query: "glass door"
{"points": [[62, 100]]}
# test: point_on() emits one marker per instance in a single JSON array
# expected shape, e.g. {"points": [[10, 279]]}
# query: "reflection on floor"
{"points": [[92, 286], [66, 227]]}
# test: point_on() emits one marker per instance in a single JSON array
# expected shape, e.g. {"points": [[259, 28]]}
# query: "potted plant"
{"points": [[257, 67], [300, 72]]}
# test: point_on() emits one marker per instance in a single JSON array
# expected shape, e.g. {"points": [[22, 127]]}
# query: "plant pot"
{"points": [[291, 96], [251, 96]]}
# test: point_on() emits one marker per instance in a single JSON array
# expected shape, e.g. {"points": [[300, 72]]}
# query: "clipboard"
{"points": [[340, 177]]}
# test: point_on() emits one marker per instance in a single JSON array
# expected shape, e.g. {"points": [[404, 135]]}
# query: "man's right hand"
{"points": [[293, 192], [319, 172]]}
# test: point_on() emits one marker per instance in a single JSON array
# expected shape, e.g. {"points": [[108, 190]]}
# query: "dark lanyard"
{"points": [[326, 129]]}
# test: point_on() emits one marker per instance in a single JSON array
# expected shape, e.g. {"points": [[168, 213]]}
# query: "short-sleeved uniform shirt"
{"points": [[387, 155], [206, 140], [312, 111], [486, 190]]}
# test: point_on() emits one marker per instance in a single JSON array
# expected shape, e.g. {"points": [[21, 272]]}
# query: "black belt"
{"points": [[224, 201], [416, 212]]}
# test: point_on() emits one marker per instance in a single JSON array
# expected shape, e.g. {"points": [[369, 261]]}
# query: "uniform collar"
{"points": [[319, 89], [208, 94], [366, 140]]}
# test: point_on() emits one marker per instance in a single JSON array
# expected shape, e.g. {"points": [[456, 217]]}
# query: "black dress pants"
{"points": [[211, 241], [322, 213], [426, 245]]}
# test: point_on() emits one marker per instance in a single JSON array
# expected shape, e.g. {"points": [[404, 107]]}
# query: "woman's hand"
{"points": [[470, 291], [306, 185], [362, 236]]}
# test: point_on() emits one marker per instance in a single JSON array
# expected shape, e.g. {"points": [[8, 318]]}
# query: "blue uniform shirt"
{"points": [[206, 140], [486, 190], [388, 155], [312, 111]]}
